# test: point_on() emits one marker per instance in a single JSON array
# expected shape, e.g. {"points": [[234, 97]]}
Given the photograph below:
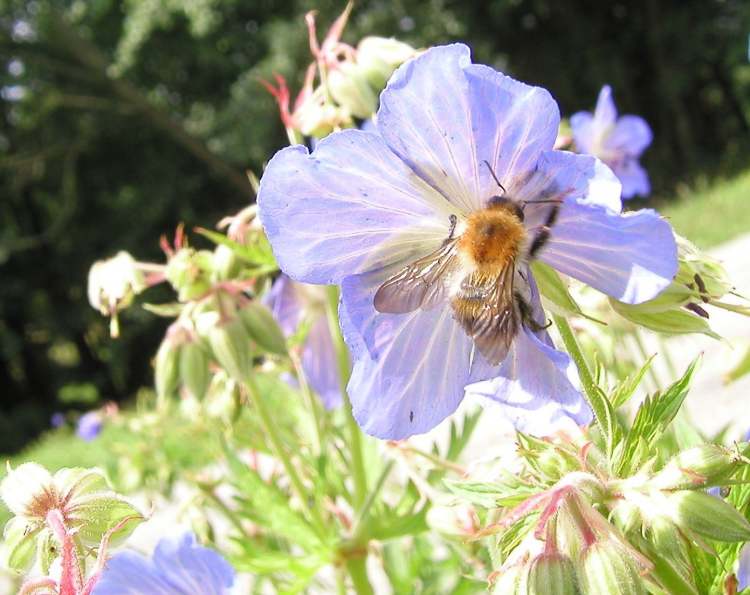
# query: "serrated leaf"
{"points": [[653, 417]]}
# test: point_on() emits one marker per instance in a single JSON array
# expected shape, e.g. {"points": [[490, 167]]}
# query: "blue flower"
{"points": [[291, 303], [178, 566], [743, 569], [363, 206], [57, 420], [618, 142], [89, 425]]}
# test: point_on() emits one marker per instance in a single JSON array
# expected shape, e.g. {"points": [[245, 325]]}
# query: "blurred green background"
{"points": [[120, 119]]}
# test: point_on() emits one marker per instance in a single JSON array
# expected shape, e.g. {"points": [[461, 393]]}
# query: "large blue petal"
{"points": [[565, 176], [537, 387], [631, 257], [409, 370], [513, 123], [348, 207], [425, 117]]}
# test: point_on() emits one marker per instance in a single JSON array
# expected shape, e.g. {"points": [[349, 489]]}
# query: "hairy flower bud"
{"points": [[350, 88], [551, 574], [79, 496], [378, 57], [605, 567], [707, 516], [696, 467]]}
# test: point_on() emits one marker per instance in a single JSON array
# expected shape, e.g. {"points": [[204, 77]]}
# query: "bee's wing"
{"points": [[422, 284], [488, 312]]}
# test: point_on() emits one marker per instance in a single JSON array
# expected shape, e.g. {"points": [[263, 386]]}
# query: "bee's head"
{"points": [[503, 202]]}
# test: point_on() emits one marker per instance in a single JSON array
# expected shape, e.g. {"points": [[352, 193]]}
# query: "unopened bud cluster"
{"points": [[594, 535]]}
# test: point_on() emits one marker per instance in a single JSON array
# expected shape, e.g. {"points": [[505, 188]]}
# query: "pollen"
{"points": [[492, 238]]}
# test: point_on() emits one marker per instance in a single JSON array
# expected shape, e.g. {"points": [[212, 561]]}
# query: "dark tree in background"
{"points": [[120, 119]]}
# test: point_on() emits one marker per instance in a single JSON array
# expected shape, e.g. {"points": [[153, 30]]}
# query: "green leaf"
{"points": [[653, 417], [20, 541], [387, 526], [675, 321], [508, 492], [269, 506]]}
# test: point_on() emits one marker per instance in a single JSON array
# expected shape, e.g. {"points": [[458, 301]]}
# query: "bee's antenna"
{"points": [[489, 167]]}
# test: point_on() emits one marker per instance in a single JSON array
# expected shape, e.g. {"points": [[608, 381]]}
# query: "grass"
{"points": [[713, 215]]}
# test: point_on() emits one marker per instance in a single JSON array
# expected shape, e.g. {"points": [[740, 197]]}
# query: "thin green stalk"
{"points": [[342, 356], [272, 432], [591, 390], [360, 523], [357, 568], [312, 401], [228, 512]]}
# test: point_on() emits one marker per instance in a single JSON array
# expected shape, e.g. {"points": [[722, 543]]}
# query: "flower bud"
{"points": [[318, 117], [262, 328], [551, 574], [80, 497], [663, 533], [230, 344], [378, 57], [113, 283], [166, 366], [350, 89], [707, 516], [605, 567], [696, 467], [189, 272], [226, 264], [193, 366]]}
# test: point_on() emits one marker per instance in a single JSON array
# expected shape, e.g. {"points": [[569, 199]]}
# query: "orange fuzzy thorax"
{"points": [[493, 237]]}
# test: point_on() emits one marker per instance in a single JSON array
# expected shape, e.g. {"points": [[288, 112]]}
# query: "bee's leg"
{"points": [[454, 221], [527, 316], [543, 234]]}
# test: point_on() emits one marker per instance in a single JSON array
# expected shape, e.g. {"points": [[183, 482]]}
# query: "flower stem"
{"points": [[278, 446], [590, 388], [357, 568], [342, 357]]}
